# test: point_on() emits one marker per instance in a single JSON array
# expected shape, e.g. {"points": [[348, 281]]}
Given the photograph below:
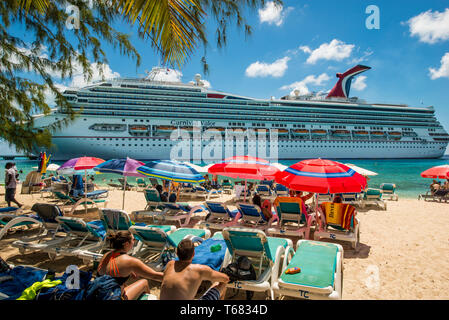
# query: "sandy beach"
{"points": [[402, 252]]}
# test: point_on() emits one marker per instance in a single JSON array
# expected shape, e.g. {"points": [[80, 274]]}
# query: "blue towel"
{"points": [[8, 209], [204, 256], [24, 277], [97, 227]]}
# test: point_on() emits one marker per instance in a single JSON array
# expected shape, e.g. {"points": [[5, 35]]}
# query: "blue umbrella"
{"points": [[171, 170], [125, 167]]}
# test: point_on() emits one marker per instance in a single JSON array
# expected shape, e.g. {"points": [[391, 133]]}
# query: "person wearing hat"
{"points": [[11, 176]]}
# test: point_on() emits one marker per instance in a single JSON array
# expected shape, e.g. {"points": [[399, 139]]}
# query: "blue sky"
{"points": [[304, 44]]}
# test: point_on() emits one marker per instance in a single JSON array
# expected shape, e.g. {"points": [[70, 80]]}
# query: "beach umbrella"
{"points": [[280, 166], [50, 167], [171, 170], [438, 172], [43, 162], [198, 168], [362, 171], [125, 167], [75, 165], [321, 176], [245, 167]]}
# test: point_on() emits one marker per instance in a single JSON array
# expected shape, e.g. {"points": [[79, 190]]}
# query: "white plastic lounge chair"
{"points": [[388, 190], [373, 197], [252, 216], [324, 198], [219, 216], [291, 218], [200, 191], [178, 212], [155, 241], [91, 199], [337, 221], [11, 219], [265, 253], [227, 186], [352, 198], [321, 275]]}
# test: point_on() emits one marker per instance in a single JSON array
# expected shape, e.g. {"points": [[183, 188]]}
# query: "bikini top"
{"points": [[113, 268]]}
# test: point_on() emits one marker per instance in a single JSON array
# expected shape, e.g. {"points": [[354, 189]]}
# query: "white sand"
{"points": [[403, 252]]}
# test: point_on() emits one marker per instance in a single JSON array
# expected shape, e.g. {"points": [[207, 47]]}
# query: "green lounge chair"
{"points": [[373, 197], [265, 253], [92, 199], [155, 241], [219, 216], [321, 275], [388, 190], [141, 183], [292, 221]]}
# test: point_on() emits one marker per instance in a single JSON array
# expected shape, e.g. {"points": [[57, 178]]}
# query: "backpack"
{"points": [[242, 269]]}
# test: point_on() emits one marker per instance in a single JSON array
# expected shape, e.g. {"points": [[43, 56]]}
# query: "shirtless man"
{"points": [[182, 278]]}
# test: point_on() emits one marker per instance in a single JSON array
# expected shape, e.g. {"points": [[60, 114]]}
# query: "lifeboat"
{"points": [[319, 132], [138, 128], [215, 128], [341, 133], [166, 128], [395, 135], [378, 133], [300, 132], [108, 127], [282, 132]]}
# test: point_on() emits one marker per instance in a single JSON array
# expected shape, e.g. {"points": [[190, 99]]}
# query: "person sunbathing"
{"points": [[118, 264], [265, 206], [182, 278], [435, 186]]}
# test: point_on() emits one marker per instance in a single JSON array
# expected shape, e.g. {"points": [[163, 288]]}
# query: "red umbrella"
{"points": [[321, 176], [244, 167], [438, 172]]}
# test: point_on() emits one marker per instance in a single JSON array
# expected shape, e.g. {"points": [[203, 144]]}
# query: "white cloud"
{"points": [[430, 27], [443, 71], [78, 79], [273, 13], [359, 84], [262, 69], [166, 75], [302, 85], [334, 50]]}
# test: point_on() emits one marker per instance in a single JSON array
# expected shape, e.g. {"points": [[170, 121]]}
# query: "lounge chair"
{"points": [[141, 183], [128, 185], [153, 199], [178, 212], [291, 219], [281, 190], [155, 241], [439, 195], [219, 216], [200, 191], [89, 199], [186, 190], [239, 193], [373, 197], [252, 216], [12, 218], [264, 252], [354, 199], [388, 190], [321, 275], [263, 190], [114, 185], [324, 198], [337, 221], [227, 186]]}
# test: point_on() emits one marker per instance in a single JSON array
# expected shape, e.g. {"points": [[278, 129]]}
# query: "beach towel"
{"points": [[31, 292], [338, 214], [23, 277], [204, 255]]}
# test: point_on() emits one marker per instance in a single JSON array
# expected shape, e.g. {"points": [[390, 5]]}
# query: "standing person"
{"points": [[182, 278], [121, 266], [11, 175]]}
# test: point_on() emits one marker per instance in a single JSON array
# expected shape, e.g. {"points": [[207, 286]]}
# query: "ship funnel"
{"points": [[198, 79], [342, 87], [296, 92]]}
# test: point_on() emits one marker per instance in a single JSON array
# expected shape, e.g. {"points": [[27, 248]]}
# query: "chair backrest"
{"points": [[263, 188], [280, 187], [47, 212], [152, 195], [217, 208], [373, 194], [251, 212], [349, 196], [340, 215], [388, 187], [115, 220], [141, 182], [290, 209], [152, 236], [247, 242]]}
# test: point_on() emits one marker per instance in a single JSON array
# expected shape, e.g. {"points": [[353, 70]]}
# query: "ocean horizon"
{"points": [[405, 173]]}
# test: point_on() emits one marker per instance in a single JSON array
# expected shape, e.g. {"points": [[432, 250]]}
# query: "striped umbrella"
{"points": [[125, 167], [321, 176], [171, 170], [245, 167], [438, 172]]}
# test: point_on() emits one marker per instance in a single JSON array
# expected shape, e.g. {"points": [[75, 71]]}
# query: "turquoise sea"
{"points": [[405, 173]]}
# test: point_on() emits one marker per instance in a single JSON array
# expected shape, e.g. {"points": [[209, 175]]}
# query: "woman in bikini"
{"points": [[119, 265]]}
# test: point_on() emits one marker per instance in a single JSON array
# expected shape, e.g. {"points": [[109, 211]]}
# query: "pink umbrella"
{"points": [[438, 172]]}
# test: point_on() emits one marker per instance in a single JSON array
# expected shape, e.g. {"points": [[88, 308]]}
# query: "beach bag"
{"points": [[103, 288]]}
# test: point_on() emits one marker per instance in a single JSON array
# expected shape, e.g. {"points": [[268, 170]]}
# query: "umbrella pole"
{"points": [[85, 191], [245, 191], [124, 192]]}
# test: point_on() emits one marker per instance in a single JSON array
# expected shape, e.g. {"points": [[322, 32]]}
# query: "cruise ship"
{"points": [[147, 118]]}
